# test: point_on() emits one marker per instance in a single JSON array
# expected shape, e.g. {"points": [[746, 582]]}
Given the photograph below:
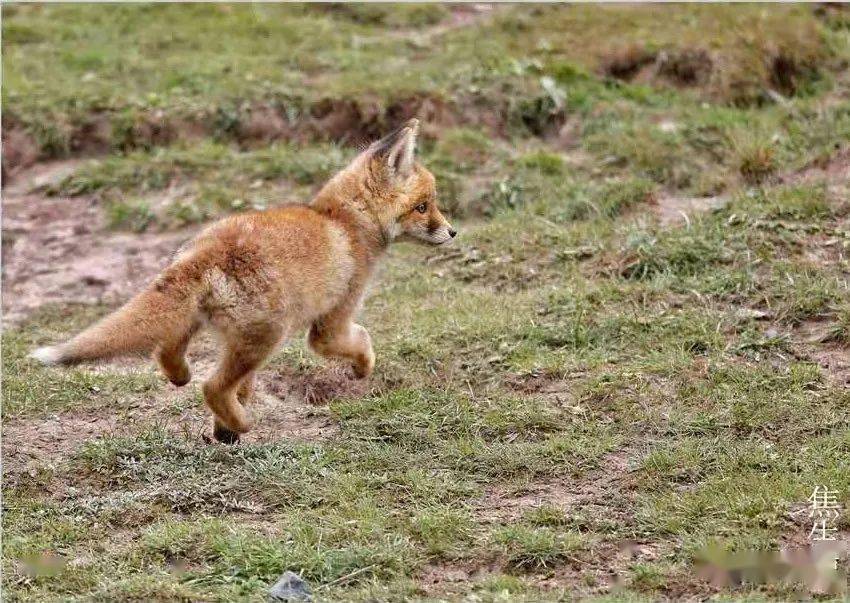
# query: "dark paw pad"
{"points": [[224, 435]]}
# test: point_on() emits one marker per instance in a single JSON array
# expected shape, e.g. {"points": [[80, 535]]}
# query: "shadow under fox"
{"points": [[259, 277]]}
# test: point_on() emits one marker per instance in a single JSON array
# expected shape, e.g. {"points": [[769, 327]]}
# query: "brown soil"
{"points": [[602, 493], [625, 63], [602, 490], [537, 382], [317, 386], [20, 150], [816, 342], [834, 170], [680, 67], [688, 67], [59, 250], [674, 210], [445, 579], [31, 444], [344, 121]]}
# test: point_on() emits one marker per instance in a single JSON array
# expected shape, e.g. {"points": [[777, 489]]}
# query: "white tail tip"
{"points": [[50, 355]]}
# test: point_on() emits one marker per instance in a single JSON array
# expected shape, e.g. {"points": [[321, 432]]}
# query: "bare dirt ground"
{"points": [[835, 171], [673, 210], [602, 494], [57, 249], [461, 15]]}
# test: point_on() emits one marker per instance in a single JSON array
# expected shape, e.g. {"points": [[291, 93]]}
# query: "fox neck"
{"points": [[369, 236]]}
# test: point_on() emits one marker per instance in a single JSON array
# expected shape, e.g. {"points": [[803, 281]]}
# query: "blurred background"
{"points": [[80, 80]]}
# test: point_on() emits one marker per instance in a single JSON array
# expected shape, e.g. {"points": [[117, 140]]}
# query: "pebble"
{"points": [[290, 587]]}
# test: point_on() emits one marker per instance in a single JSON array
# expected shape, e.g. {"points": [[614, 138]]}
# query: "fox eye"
{"points": [[421, 208]]}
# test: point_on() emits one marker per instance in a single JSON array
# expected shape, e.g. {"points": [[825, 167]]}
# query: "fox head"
{"points": [[396, 192]]}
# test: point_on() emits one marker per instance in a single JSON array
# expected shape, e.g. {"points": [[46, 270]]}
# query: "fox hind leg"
{"points": [[246, 392], [243, 355], [171, 356], [245, 395]]}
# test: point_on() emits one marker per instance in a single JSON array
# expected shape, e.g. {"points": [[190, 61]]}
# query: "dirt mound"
{"points": [[680, 67], [20, 150], [688, 67], [834, 169], [347, 121], [625, 63], [317, 386]]}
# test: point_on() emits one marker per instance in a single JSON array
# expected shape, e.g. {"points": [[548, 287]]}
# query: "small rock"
{"points": [[747, 313], [290, 587], [668, 126], [94, 280]]}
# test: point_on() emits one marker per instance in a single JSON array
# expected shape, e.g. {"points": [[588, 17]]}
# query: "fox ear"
{"points": [[398, 149]]}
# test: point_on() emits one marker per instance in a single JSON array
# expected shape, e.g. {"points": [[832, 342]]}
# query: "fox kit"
{"points": [[258, 277]]}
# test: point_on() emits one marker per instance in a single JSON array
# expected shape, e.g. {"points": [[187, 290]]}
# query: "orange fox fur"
{"points": [[257, 278]]}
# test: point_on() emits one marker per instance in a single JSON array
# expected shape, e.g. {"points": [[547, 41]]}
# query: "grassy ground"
{"points": [[599, 380]]}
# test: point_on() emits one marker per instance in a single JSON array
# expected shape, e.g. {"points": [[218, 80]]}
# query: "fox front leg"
{"points": [[346, 340]]}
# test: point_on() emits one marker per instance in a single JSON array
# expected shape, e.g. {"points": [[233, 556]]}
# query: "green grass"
{"points": [[79, 78], [572, 374], [199, 182], [28, 390]]}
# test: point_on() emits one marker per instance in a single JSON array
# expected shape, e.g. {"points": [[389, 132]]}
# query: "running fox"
{"points": [[258, 277]]}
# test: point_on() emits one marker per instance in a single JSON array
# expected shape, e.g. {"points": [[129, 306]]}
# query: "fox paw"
{"points": [[180, 381], [364, 365], [180, 375], [224, 435]]}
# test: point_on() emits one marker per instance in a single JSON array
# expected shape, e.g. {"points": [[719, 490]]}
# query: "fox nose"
{"points": [[452, 232]]}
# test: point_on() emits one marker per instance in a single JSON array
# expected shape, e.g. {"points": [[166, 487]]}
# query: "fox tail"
{"points": [[157, 315]]}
